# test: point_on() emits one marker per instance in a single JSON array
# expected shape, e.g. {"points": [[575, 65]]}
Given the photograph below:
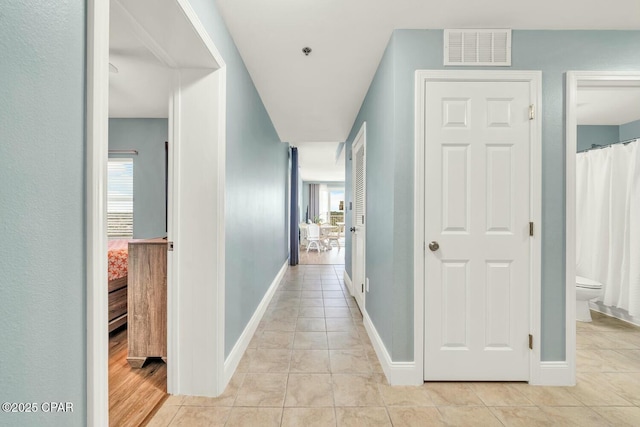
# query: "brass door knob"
{"points": [[434, 246]]}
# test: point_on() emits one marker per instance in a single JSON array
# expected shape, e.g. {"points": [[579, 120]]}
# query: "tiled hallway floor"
{"points": [[311, 364]]}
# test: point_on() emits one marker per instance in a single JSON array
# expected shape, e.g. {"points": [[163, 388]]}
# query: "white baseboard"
{"points": [[348, 282], [398, 373], [616, 312], [232, 361], [554, 374]]}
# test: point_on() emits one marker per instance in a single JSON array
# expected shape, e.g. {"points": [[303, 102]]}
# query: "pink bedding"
{"points": [[118, 258]]}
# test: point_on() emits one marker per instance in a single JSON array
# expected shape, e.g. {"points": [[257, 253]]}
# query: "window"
{"points": [[120, 198]]}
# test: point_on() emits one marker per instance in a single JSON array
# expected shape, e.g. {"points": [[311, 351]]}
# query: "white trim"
{"points": [[173, 199], [398, 373], [96, 194], [535, 203], [220, 226], [555, 374], [571, 144], [535, 80], [418, 228], [191, 15], [348, 282], [573, 79], [241, 345]]}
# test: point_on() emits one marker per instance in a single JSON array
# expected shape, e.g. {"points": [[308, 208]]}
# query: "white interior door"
{"points": [[359, 183], [477, 213]]}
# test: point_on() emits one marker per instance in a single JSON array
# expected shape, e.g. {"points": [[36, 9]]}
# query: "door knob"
{"points": [[434, 246], [352, 229]]}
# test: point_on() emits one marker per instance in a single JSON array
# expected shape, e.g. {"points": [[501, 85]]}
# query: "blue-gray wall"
{"points": [[379, 111], [602, 135], [390, 183], [42, 220], [148, 136], [630, 130], [257, 167], [599, 135]]}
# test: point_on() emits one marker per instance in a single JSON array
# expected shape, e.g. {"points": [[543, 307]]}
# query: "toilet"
{"points": [[586, 290]]}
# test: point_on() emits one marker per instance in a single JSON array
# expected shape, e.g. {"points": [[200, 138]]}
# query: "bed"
{"points": [[118, 260]]}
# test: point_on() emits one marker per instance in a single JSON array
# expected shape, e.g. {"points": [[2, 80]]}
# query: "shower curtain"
{"points": [[608, 222]]}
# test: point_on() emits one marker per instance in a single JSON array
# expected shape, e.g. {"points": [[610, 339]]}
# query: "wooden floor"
{"points": [[134, 394]]}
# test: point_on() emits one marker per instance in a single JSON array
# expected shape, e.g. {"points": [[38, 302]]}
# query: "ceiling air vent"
{"points": [[477, 47]]}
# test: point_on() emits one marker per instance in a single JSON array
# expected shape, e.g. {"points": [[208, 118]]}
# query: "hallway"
{"points": [[311, 363]]}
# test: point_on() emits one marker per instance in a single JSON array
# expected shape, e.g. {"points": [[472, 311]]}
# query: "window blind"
{"points": [[120, 198]]}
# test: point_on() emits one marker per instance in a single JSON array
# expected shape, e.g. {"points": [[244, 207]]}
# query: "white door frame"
{"points": [[354, 286], [574, 78], [422, 77], [150, 24]]}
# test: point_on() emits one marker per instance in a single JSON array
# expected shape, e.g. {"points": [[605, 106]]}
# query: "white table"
{"points": [[324, 234], [324, 231]]}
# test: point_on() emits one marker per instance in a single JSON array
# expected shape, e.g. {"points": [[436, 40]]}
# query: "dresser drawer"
{"points": [[117, 303]]}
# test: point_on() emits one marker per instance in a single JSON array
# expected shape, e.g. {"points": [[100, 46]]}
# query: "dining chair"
{"points": [[313, 236], [334, 235], [303, 234]]}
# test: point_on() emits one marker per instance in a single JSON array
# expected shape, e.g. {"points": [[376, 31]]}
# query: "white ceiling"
{"points": [[320, 161], [142, 84], [316, 98], [616, 105]]}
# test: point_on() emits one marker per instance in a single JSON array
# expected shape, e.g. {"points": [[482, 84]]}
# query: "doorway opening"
{"points": [[136, 211], [321, 204], [602, 195]]}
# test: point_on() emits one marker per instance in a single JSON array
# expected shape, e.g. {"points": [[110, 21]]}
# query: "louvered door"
{"points": [[359, 218]]}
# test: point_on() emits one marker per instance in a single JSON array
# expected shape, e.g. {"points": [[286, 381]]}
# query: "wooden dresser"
{"points": [[147, 297], [117, 303]]}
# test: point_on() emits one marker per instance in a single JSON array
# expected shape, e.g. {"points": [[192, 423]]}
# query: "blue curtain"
{"points": [[294, 241]]}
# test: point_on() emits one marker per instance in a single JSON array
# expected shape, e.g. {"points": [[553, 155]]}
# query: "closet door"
{"points": [[477, 213]]}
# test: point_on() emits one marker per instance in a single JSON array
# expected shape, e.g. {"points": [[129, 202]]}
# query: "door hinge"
{"points": [[363, 288], [170, 246], [532, 112], [531, 229], [530, 342]]}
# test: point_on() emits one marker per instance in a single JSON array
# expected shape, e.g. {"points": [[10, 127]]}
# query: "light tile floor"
{"points": [[335, 255], [311, 363]]}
